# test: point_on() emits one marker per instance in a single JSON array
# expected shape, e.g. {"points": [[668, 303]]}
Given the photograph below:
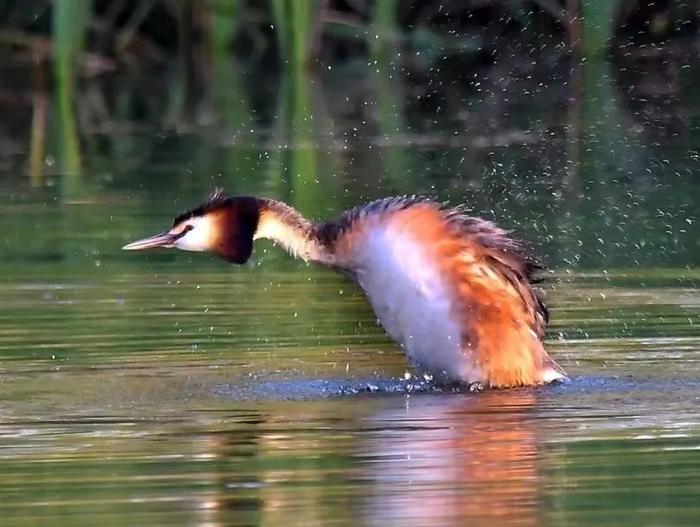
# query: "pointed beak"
{"points": [[164, 239]]}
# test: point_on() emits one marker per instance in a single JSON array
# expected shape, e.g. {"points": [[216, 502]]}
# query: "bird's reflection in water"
{"points": [[455, 460], [420, 460]]}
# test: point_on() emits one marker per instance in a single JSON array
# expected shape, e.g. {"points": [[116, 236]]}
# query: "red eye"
{"points": [[184, 231]]}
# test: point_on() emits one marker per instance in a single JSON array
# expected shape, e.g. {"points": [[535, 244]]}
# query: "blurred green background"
{"points": [[79, 73]]}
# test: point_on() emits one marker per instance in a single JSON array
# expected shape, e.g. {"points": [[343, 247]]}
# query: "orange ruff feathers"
{"points": [[501, 318]]}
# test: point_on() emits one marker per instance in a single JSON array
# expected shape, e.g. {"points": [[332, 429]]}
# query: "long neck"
{"points": [[285, 226]]}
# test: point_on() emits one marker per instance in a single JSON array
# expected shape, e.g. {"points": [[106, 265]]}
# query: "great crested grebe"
{"points": [[454, 291]]}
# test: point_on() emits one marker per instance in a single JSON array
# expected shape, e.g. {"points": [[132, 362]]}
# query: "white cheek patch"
{"points": [[199, 237]]}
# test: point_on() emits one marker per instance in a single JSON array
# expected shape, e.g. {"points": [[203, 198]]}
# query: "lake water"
{"points": [[172, 388]]}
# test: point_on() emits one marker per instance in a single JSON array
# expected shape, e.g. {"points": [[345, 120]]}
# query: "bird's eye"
{"points": [[187, 228]]}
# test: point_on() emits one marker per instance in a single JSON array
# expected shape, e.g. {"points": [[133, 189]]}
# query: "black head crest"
{"points": [[215, 201]]}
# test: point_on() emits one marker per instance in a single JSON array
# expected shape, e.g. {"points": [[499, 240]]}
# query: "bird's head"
{"points": [[222, 225]]}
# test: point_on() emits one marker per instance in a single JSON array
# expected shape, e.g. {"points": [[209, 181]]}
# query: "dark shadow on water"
{"points": [[622, 384], [309, 389], [255, 388]]}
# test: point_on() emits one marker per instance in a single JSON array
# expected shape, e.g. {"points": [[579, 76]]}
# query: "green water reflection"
{"points": [[173, 388]]}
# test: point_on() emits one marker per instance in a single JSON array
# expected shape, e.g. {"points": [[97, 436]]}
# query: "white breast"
{"points": [[411, 300]]}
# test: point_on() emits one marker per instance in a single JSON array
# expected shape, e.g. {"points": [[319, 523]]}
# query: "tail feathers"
{"points": [[552, 372]]}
